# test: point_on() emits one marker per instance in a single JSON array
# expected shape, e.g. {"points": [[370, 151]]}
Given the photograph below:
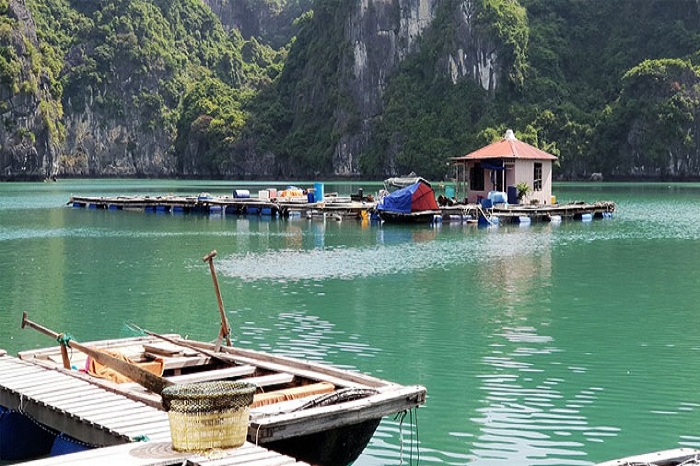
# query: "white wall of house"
{"points": [[525, 171]]}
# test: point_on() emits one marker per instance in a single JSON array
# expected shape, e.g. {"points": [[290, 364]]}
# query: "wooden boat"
{"points": [[311, 411], [414, 203], [674, 457]]}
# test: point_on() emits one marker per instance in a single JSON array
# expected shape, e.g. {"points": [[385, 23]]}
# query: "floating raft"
{"points": [[98, 417], [293, 207], [518, 214], [552, 212], [340, 207]]}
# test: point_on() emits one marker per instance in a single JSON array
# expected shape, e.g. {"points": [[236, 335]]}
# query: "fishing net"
{"points": [[209, 414]]}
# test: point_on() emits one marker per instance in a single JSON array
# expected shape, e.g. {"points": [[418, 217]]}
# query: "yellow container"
{"points": [[208, 415], [554, 199]]}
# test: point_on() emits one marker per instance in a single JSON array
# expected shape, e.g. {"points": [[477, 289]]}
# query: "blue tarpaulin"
{"points": [[414, 198]]}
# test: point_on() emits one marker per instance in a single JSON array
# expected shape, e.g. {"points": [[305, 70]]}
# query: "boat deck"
{"points": [[96, 416]]}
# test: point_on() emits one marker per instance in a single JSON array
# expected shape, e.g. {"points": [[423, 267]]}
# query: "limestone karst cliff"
{"points": [[291, 89], [30, 133]]}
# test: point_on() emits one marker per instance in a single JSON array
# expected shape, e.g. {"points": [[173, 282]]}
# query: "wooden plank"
{"points": [[31, 379], [306, 369], [303, 391], [130, 454], [112, 343], [180, 362], [146, 429], [219, 374], [279, 407], [58, 389], [127, 420], [125, 410], [101, 407], [269, 380], [16, 371], [244, 451], [164, 349], [96, 396], [250, 458]]}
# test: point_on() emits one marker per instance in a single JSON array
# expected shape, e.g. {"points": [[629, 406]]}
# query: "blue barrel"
{"points": [[318, 192], [64, 445], [22, 438], [512, 194]]}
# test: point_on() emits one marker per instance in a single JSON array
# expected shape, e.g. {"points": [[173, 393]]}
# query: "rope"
{"points": [[413, 420], [401, 417], [64, 339], [257, 433]]}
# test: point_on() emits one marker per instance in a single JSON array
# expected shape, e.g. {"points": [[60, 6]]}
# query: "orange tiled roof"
{"points": [[507, 148]]}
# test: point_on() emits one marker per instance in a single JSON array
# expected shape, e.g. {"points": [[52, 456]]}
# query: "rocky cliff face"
{"points": [[382, 33], [102, 143], [268, 21], [28, 135], [105, 127]]}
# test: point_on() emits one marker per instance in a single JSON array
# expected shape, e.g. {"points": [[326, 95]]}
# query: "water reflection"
{"points": [[530, 413]]}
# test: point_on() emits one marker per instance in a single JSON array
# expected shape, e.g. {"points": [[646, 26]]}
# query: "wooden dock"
{"points": [[514, 213], [337, 207], [547, 213], [96, 416]]}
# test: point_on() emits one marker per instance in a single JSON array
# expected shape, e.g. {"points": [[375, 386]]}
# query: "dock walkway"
{"points": [[96, 416]]}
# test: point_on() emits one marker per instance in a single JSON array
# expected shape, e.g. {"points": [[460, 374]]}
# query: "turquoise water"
{"points": [[560, 344]]}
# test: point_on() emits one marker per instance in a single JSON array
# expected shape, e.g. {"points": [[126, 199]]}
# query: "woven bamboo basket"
{"points": [[208, 415]]}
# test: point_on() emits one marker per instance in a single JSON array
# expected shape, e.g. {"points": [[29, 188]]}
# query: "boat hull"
{"points": [[337, 447], [427, 216], [673, 457]]}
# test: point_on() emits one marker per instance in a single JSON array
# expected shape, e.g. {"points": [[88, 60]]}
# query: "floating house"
{"points": [[499, 167]]}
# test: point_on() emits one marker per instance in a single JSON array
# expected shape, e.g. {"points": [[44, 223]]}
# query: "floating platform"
{"points": [[503, 214], [335, 207], [132, 433], [338, 208], [554, 212]]}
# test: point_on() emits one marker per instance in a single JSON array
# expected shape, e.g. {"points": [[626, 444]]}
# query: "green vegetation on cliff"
{"points": [[610, 87]]}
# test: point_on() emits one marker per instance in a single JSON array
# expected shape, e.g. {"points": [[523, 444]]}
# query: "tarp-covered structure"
{"points": [[417, 197]]}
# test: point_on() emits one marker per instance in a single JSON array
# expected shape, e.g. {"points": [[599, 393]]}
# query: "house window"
{"points": [[476, 178], [537, 177]]}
